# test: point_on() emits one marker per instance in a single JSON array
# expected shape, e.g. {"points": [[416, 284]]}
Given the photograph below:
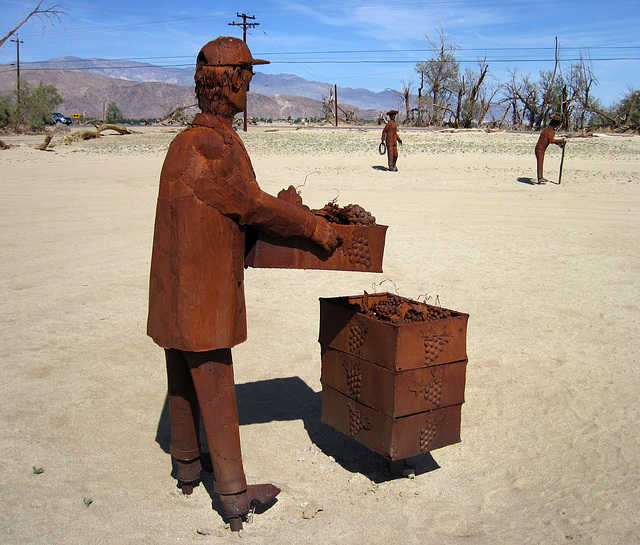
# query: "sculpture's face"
{"points": [[237, 93]]}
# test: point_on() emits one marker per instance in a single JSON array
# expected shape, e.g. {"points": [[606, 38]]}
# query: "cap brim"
{"points": [[260, 61]]}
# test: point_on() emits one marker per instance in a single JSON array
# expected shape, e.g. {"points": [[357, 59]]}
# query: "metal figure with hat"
{"points": [[390, 138], [208, 194], [547, 136]]}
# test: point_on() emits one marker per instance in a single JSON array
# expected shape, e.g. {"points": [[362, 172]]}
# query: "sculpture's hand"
{"points": [[324, 235]]}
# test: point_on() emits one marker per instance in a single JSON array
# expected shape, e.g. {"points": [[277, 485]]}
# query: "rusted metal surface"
{"points": [[397, 388], [398, 347], [237, 506], [393, 438], [208, 194], [394, 393], [548, 136], [361, 249], [390, 139], [201, 384]]}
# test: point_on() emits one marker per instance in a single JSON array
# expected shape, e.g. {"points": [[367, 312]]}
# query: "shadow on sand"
{"points": [[285, 399], [533, 181]]}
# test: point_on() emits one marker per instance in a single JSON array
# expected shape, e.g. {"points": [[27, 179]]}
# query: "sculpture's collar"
{"points": [[211, 120]]}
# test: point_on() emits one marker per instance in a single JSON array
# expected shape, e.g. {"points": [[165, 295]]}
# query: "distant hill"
{"points": [[121, 69], [266, 84], [85, 93], [270, 84]]}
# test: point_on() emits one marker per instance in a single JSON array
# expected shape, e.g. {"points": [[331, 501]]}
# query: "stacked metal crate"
{"points": [[396, 388]]}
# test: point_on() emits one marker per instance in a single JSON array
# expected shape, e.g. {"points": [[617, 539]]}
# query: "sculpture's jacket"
{"points": [[390, 133], [208, 194]]}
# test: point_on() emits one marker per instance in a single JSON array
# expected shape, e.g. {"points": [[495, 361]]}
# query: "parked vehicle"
{"points": [[57, 117]]}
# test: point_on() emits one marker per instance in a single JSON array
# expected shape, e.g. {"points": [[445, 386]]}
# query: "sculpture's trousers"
{"points": [[392, 155], [202, 383], [539, 162]]}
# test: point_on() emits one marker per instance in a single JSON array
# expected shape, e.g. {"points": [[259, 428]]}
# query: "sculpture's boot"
{"points": [[212, 374], [188, 475], [236, 506], [184, 421]]}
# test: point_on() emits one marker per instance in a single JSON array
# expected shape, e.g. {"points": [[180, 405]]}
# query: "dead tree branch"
{"points": [[177, 116], [88, 135], [51, 14], [613, 120], [111, 127], [632, 109], [45, 144]]}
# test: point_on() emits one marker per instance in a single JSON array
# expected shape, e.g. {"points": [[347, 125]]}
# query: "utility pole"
{"points": [[18, 42], [244, 26]]}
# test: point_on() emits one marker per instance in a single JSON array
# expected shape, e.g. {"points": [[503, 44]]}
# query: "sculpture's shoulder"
{"points": [[208, 142], [187, 149], [215, 141]]}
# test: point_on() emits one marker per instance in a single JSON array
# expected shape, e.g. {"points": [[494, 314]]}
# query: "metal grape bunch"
{"points": [[398, 310], [352, 214]]}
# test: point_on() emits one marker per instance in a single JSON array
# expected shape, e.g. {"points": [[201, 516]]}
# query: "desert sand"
{"points": [[549, 274]]}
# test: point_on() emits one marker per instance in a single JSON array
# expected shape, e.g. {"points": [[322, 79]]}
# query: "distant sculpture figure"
{"points": [[208, 194], [390, 138], [547, 136]]}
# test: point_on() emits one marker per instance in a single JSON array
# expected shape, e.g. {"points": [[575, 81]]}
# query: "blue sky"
{"points": [[373, 44]]}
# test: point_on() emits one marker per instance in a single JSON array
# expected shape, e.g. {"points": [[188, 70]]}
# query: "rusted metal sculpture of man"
{"points": [[208, 194], [547, 136], [390, 138]]}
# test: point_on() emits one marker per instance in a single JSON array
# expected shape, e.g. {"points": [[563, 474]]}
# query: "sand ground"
{"points": [[550, 276]]}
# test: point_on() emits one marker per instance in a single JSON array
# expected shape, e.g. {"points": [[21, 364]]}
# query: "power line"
{"points": [[459, 61], [301, 63], [428, 49], [342, 61], [353, 52]]}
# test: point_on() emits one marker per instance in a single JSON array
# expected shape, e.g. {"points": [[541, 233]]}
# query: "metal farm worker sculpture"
{"points": [[208, 194], [390, 138], [547, 136]]}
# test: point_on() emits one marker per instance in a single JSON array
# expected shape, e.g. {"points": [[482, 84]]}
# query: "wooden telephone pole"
{"points": [[244, 26], [18, 42]]}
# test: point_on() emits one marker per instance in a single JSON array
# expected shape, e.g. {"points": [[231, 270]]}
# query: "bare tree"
{"points": [[405, 95], [634, 95], [523, 96], [510, 98], [440, 74], [550, 86], [487, 100], [328, 107], [474, 95], [51, 14], [580, 81], [461, 90], [420, 107]]}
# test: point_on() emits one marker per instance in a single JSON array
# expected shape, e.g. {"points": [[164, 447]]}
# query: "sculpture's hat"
{"points": [[227, 51], [556, 118], [392, 112]]}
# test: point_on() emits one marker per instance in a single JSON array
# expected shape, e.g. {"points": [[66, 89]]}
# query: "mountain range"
{"points": [[143, 90]]}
